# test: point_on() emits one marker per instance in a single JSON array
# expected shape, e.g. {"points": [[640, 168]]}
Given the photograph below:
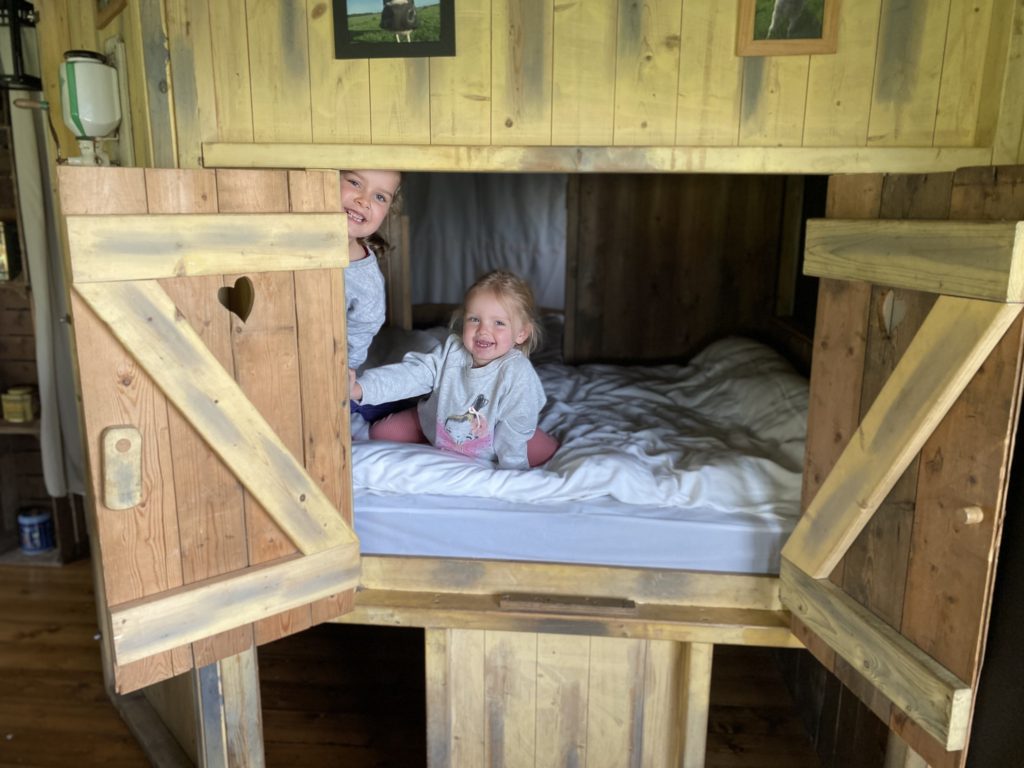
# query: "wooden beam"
{"points": [[928, 693], [974, 259], [733, 626], [594, 159], [170, 619], [952, 343], [146, 321], [153, 246], [644, 585]]}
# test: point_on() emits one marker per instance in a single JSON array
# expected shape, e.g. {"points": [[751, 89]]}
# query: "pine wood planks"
{"points": [[213, 528]]}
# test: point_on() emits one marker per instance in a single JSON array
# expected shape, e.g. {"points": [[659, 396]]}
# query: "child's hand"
{"points": [[354, 390]]}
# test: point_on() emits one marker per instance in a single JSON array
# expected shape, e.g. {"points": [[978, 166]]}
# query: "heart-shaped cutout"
{"points": [[238, 299]]}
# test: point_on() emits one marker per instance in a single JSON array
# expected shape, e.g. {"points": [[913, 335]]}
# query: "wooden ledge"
{"points": [[732, 626], [662, 159]]}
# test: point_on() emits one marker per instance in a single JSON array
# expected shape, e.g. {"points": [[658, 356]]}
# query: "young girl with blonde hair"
{"points": [[484, 395]]}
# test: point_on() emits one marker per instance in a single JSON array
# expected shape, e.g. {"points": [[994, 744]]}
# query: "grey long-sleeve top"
{"points": [[488, 412], [365, 306]]}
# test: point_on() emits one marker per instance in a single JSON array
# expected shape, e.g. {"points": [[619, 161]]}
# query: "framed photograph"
{"points": [[786, 27], [375, 29], [106, 10]]}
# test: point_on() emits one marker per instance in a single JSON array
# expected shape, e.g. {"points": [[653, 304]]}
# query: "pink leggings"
{"points": [[404, 427]]}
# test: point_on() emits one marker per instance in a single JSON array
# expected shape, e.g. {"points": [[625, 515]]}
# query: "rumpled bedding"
{"points": [[725, 432]]}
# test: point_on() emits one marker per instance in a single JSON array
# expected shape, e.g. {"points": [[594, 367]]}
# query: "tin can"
{"points": [[35, 531], [18, 404]]}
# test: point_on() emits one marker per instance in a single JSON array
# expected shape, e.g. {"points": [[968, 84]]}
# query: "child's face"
{"points": [[489, 330], [366, 197]]}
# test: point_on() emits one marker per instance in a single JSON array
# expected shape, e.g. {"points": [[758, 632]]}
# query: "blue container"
{"points": [[35, 531]]}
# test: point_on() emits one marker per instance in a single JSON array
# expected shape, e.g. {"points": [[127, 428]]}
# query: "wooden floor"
{"points": [[54, 710]]}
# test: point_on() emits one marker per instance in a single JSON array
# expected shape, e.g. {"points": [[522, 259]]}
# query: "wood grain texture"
{"points": [[621, 159], [963, 71], [279, 65], [460, 86], [191, 61], [400, 107], [908, 72], [839, 85], [149, 247], [320, 317], [563, 695], [953, 342], [647, 72], [143, 628], [973, 259], [638, 214], [710, 76], [521, 73], [950, 568], [139, 553], [144, 319], [692, 588], [660, 622], [773, 100], [265, 350], [874, 568], [211, 516], [339, 88], [926, 691], [583, 106]]}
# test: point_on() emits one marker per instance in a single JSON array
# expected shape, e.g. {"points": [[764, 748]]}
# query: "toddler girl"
{"points": [[485, 396]]}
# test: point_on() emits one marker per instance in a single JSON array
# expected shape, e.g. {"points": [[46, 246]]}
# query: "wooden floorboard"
{"points": [[335, 695], [54, 709]]}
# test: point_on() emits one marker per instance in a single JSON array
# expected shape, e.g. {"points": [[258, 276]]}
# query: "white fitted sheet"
{"points": [[695, 466]]}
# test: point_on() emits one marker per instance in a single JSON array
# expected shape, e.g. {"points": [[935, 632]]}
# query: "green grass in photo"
{"points": [[365, 27]]}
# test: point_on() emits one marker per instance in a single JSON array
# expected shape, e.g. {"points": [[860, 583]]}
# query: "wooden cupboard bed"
{"points": [[218, 455]]}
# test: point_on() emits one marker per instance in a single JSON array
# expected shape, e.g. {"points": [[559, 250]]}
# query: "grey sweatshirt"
{"points": [[365, 306], [487, 412]]}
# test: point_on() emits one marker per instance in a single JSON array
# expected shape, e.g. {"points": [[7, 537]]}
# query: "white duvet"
{"points": [[724, 432]]}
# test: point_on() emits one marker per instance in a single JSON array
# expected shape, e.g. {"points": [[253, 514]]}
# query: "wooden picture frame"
{"points": [[106, 10], [786, 27], [373, 29]]}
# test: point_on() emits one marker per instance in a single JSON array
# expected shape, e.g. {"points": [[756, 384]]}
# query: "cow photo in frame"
{"points": [[786, 27], [393, 28]]}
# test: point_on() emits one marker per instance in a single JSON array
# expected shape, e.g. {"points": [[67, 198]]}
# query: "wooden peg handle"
{"points": [[971, 515]]}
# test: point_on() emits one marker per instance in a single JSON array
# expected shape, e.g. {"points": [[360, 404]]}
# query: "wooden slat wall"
{"points": [[701, 274], [917, 73], [916, 565], [286, 357], [518, 698]]}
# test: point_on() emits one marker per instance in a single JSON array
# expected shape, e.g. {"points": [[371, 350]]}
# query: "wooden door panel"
{"points": [[244, 481], [925, 563]]}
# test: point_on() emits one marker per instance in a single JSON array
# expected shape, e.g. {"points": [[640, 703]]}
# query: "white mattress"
{"points": [[695, 467]]}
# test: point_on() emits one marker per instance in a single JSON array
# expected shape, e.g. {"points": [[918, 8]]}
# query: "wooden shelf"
{"points": [[19, 427], [17, 557]]}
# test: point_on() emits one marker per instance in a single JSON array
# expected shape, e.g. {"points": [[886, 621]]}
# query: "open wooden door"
{"points": [[209, 318], [915, 391]]}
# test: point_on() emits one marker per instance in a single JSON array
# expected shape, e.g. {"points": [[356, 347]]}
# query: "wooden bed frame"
{"points": [[222, 510]]}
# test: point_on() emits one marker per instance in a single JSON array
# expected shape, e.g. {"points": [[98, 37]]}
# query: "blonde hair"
{"points": [[517, 296]]}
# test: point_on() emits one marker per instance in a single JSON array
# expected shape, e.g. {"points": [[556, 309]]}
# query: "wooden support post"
{"points": [[229, 717], [695, 701]]}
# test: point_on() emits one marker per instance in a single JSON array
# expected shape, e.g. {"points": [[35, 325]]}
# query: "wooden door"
{"points": [[915, 391], [208, 309]]}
